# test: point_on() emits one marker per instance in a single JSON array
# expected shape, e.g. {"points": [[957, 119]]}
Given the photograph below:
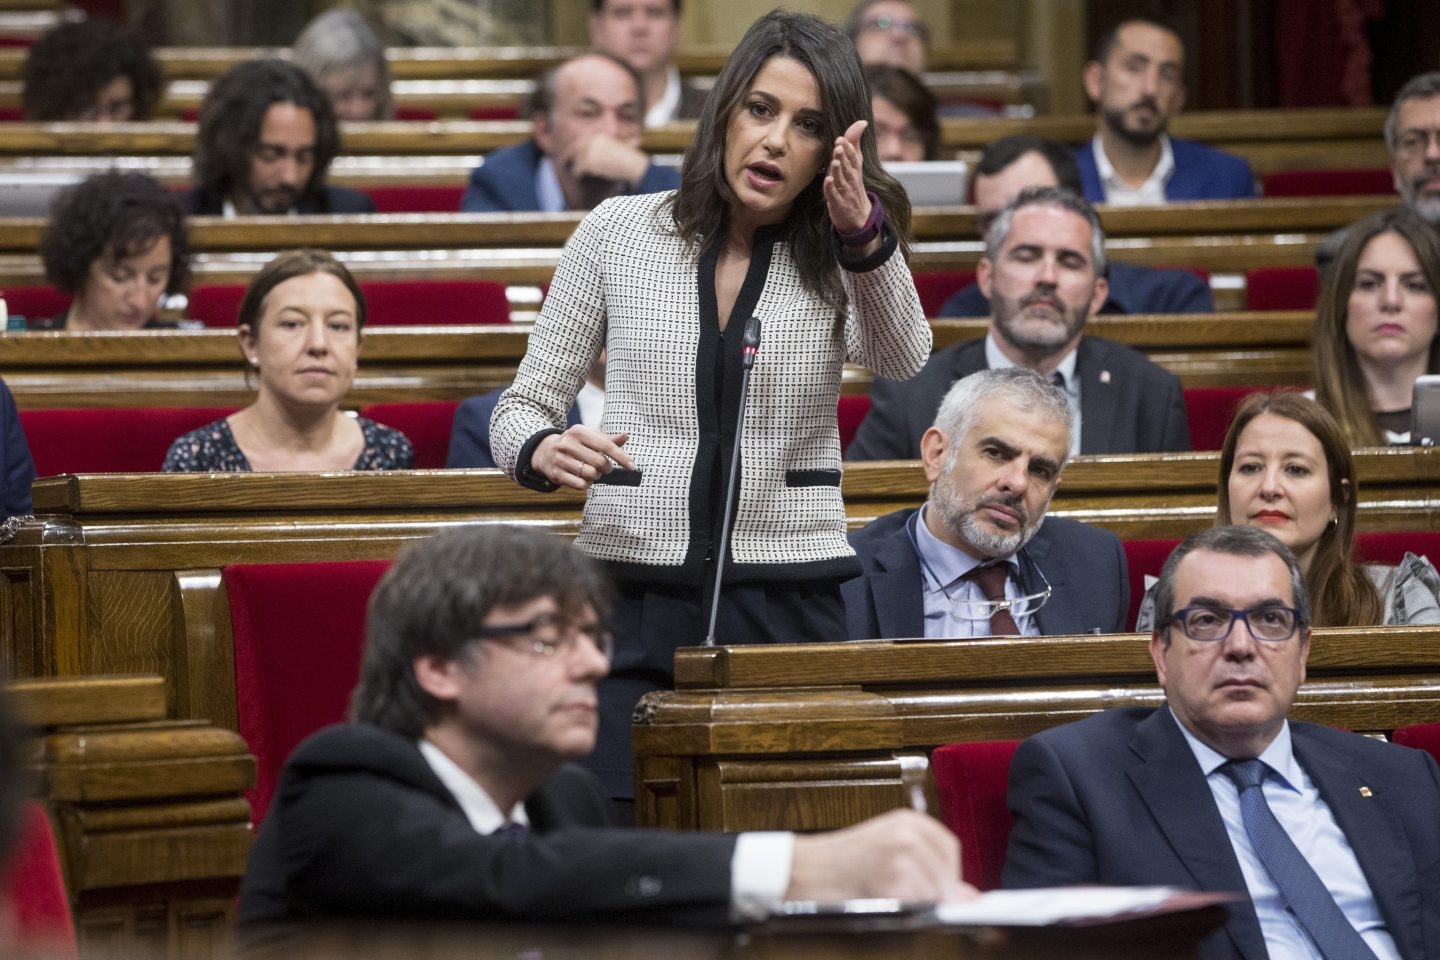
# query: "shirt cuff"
{"points": [[759, 874]]}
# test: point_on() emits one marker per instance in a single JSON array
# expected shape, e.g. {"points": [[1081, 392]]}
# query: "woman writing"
{"points": [[299, 328], [1375, 327], [784, 214], [1286, 468]]}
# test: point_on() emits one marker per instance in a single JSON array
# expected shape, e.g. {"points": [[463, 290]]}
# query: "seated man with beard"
{"points": [[975, 560]]}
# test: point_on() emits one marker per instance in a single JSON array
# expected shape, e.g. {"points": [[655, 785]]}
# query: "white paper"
{"points": [[1038, 908]]}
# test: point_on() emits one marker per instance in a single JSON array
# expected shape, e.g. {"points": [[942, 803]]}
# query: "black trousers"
{"points": [[650, 621]]}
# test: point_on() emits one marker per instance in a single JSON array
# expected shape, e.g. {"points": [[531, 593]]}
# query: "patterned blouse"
{"points": [[212, 449]]}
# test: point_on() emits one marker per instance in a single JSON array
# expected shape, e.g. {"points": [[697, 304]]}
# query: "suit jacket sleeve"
{"points": [[1180, 291], [19, 470], [470, 433], [480, 195], [1051, 843], [1176, 430]]}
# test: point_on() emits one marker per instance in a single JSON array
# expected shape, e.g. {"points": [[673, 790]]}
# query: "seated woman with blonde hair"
{"points": [[1286, 468], [1375, 326], [300, 326]]}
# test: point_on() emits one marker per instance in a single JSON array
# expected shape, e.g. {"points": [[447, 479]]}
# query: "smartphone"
{"points": [[1425, 411]]}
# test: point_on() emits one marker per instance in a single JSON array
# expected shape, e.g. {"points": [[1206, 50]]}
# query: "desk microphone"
{"points": [[749, 346]]}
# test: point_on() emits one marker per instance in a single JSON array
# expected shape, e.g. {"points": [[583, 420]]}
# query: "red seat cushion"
{"points": [[1390, 546], [407, 112], [427, 424], [1144, 557], [1421, 736], [936, 286], [32, 887], [1282, 288], [423, 198], [109, 440], [971, 779], [387, 302], [35, 301], [851, 410], [1351, 182], [1209, 411], [298, 629]]}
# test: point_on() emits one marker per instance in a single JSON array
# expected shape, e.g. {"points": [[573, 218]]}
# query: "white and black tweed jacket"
{"points": [[626, 283]]}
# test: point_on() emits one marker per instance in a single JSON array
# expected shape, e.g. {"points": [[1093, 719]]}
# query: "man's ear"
{"points": [[1157, 654], [1093, 77], [985, 276], [540, 130], [933, 447], [437, 676], [1097, 299]]}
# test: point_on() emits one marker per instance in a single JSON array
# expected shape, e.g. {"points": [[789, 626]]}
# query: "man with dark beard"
{"points": [[975, 560], [1137, 83], [1044, 274]]}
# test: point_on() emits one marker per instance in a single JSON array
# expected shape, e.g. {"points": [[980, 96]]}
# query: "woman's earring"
{"points": [[255, 362]]}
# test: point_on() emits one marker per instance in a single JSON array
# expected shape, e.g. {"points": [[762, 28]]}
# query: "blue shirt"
{"points": [[945, 588], [1303, 813]]}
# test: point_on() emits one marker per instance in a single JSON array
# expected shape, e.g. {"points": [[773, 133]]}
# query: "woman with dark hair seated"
{"points": [[907, 126], [1376, 326], [1285, 467], [116, 243], [92, 70], [300, 325]]}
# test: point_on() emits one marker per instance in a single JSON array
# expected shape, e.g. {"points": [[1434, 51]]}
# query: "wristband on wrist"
{"points": [[872, 226]]}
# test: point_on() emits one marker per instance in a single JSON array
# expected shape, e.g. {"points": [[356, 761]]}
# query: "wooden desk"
{"points": [[152, 828], [119, 573], [810, 736]]}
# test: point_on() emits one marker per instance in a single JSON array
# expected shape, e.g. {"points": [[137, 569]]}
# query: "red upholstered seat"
{"points": [[298, 631], [495, 113], [851, 410], [1144, 557], [1421, 736], [387, 302], [1209, 411], [1345, 182], [35, 301], [971, 779], [415, 113], [32, 887], [419, 198], [1282, 288], [427, 424], [936, 286], [109, 440], [1390, 547]]}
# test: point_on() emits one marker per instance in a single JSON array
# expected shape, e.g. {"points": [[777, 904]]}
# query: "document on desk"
{"points": [[1073, 905]]}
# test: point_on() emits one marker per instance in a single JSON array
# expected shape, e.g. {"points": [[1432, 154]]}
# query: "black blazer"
{"points": [[362, 828], [1084, 565], [17, 469], [470, 431], [1118, 798], [208, 202], [1127, 403]]}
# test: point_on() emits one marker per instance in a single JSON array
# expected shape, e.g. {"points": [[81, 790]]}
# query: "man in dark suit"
{"points": [[993, 459], [1334, 836], [17, 469], [452, 795], [470, 430], [585, 146], [1044, 273], [1015, 163], [645, 33], [1137, 82], [266, 137]]}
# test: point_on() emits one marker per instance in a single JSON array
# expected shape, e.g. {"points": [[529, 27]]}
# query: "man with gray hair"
{"points": [[1412, 136], [1333, 835], [980, 558], [1044, 274], [586, 121]]}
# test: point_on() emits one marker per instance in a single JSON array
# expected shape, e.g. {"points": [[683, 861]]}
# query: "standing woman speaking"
{"points": [[783, 213]]}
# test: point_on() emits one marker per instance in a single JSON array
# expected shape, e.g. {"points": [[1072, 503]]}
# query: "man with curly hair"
{"points": [[267, 136]]}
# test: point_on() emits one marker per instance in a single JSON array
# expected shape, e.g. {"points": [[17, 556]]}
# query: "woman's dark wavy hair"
{"points": [[68, 67], [701, 207], [116, 214], [234, 109]]}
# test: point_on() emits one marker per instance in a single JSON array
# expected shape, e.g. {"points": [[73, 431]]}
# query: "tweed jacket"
{"points": [[627, 283]]}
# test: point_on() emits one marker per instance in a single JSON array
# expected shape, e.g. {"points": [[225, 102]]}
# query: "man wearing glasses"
{"points": [[452, 796], [889, 33], [980, 558], [1334, 836]]}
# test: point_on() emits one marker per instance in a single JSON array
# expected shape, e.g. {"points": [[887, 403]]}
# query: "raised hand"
{"points": [[845, 183]]}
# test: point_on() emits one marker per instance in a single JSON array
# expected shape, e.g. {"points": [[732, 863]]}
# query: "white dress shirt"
{"points": [[1297, 804], [759, 867], [664, 109], [1119, 193]]}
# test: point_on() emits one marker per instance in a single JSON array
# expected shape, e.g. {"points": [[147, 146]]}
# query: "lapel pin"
{"points": [[1365, 792], [1104, 376]]}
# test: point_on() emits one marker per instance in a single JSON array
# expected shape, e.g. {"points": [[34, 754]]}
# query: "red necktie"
{"points": [[991, 580]]}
